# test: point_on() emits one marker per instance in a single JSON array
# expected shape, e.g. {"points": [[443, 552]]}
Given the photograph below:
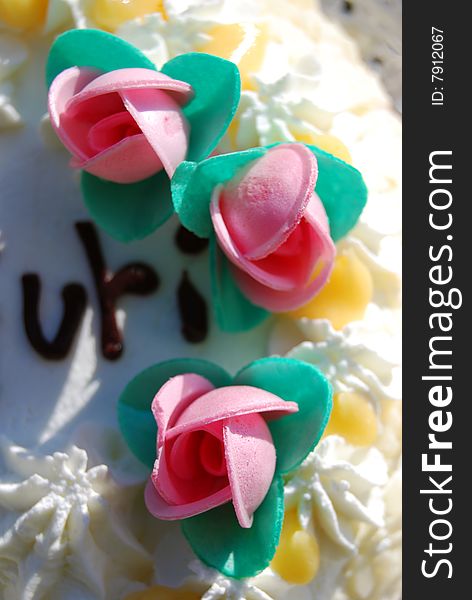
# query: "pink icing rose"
{"points": [[125, 125], [213, 446], [274, 229]]}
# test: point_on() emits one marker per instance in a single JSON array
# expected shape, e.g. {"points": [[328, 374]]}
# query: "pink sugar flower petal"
{"points": [[212, 455], [168, 471], [315, 214], [111, 130], [250, 457], [274, 300], [130, 160], [171, 490], [213, 446], [184, 455], [132, 79], [279, 301], [292, 263], [96, 113], [71, 133], [228, 402], [229, 247], [162, 122], [161, 509], [83, 105], [180, 476], [95, 109], [174, 397], [279, 281], [259, 210]]}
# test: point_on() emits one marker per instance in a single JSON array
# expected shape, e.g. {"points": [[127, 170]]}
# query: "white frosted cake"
{"points": [[73, 521]]}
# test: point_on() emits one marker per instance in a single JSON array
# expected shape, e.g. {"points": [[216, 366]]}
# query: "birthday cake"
{"points": [[199, 315]]}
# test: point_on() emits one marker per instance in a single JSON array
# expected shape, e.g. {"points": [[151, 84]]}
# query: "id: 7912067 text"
{"points": [[437, 66]]}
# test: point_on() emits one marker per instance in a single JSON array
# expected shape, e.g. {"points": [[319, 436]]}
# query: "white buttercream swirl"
{"points": [[13, 54], [339, 485], [273, 114], [353, 360], [349, 364], [9, 115], [161, 40], [224, 587], [310, 72], [63, 529], [375, 572]]}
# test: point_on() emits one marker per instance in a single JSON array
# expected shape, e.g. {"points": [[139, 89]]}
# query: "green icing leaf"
{"points": [[93, 48], [193, 184], [217, 87], [139, 430], [294, 435], [135, 418], [234, 312], [342, 191], [220, 542], [130, 211]]}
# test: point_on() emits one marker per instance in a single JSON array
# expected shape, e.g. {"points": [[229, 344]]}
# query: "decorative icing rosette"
{"points": [[222, 447], [272, 215], [128, 126]]}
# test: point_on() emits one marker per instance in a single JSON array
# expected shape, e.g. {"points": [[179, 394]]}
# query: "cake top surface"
{"points": [[314, 91]]}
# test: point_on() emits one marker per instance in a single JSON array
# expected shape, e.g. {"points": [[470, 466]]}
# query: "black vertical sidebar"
{"points": [[437, 493]]}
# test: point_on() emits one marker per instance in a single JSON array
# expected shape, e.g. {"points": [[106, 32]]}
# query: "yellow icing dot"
{"points": [[328, 143], [346, 295], [297, 559], [243, 43], [353, 418], [23, 14], [159, 592], [110, 14]]}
